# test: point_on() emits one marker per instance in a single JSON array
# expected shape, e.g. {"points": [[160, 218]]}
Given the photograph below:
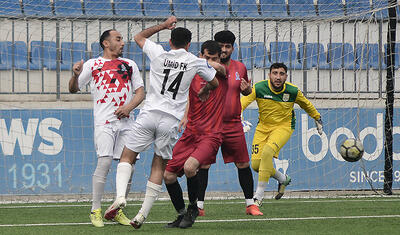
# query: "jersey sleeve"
{"points": [[86, 75], [305, 104], [152, 49], [247, 100], [137, 80], [206, 71]]}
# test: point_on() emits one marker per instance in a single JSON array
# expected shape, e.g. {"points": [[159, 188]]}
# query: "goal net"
{"points": [[335, 51]]}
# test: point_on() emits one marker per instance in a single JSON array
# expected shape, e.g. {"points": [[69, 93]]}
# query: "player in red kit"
{"points": [[201, 139], [233, 147]]}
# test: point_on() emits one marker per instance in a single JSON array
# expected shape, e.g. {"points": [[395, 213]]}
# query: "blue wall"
{"points": [[52, 151]]}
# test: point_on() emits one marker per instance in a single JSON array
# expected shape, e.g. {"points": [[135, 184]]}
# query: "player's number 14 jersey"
{"points": [[171, 73]]}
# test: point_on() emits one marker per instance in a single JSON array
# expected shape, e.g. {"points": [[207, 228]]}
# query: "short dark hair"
{"points": [[180, 37], [277, 66], [212, 47], [105, 36], [225, 36]]}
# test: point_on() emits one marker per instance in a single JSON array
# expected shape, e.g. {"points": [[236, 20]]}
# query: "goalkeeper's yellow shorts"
{"points": [[276, 137]]}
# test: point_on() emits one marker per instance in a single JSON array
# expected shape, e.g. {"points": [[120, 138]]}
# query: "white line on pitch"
{"points": [[221, 221], [208, 202]]}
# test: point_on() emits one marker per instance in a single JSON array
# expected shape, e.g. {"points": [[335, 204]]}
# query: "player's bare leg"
{"points": [[124, 171], [153, 189]]}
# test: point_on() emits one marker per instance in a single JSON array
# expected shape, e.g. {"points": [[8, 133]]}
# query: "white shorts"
{"points": [[154, 127], [110, 138]]}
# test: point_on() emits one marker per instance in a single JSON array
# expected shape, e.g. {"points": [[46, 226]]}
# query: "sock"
{"points": [[202, 176], [99, 179], [124, 172], [128, 188], [246, 182], [255, 164], [152, 192], [279, 176], [200, 204], [249, 202], [260, 190], [266, 169], [176, 195], [193, 188]]}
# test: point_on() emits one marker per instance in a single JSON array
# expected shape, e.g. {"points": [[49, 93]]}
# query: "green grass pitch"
{"points": [[286, 216]]}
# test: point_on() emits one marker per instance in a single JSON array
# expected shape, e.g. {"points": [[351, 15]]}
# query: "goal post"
{"points": [[391, 62]]}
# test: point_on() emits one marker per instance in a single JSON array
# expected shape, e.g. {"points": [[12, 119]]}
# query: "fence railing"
{"points": [[323, 56]]}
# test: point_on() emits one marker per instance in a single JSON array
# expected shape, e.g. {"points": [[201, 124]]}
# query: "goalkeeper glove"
{"points": [[246, 126], [318, 123]]}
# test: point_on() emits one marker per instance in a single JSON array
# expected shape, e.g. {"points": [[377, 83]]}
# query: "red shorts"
{"points": [[234, 147], [202, 147]]}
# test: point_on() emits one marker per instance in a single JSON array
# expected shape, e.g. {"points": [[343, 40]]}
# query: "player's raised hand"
{"points": [[73, 85], [170, 23], [245, 87], [77, 68]]}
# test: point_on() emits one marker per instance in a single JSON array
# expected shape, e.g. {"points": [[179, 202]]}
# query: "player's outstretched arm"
{"points": [[141, 37], [247, 100], [221, 70], [205, 90], [305, 104], [73, 82]]}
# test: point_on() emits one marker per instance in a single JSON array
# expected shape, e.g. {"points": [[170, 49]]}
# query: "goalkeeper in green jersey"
{"points": [[275, 99]]}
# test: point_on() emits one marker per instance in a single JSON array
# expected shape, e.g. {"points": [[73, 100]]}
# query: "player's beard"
{"points": [[225, 60], [275, 88]]}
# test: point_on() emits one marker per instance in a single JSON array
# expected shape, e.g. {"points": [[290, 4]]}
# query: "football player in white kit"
{"points": [[171, 73], [112, 82]]}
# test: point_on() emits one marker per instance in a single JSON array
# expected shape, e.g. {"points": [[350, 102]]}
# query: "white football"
{"points": [[352, 150]]}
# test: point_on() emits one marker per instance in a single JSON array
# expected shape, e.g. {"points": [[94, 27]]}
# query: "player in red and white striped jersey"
{"points": [[112, 82]]}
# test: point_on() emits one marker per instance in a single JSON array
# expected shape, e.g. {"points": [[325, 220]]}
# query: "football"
{"points": [[352, 150]]}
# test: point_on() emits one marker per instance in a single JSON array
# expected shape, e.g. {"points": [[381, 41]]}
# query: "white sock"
{"points": [[249, 202], [99, 179], [200, 204], [124, 172], [152, 192], [279, 176], [128, 188], [261, 185]]}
